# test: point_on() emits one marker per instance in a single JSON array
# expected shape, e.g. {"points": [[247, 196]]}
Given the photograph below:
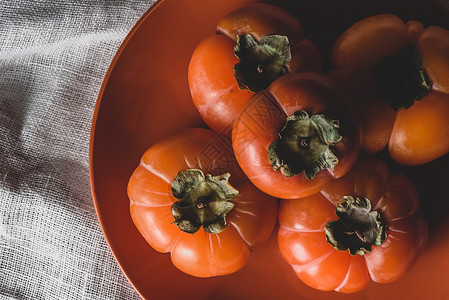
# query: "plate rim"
{"points": [[98, 101]]}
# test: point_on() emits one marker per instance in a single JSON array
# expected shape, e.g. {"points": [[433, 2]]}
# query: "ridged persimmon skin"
{"points": [[302, 240], [416, 135], [201, 254], [214, 90]]}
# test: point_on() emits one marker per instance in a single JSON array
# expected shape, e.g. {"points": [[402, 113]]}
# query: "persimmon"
{"points": [[254, 45], [296, 136], [398, 74], [363, 225], [188, 197]]}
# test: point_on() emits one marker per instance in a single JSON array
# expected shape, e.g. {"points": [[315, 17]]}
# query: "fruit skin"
{"points": [[259, 123], [302, 240], [415, 135], [201, 254], [215, 91]]}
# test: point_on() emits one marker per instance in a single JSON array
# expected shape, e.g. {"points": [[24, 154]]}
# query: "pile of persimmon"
{"points": [[281, 132]]}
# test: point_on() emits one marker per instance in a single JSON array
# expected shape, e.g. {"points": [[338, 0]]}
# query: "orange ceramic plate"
{"points": [[145, 97]]}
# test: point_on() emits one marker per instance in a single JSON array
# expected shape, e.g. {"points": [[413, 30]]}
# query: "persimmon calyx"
{"points": [[401, 79], [303, 145], [260, 64], [204, 201], [358, 227]]}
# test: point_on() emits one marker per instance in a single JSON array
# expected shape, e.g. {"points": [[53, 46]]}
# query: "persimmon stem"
{"points": [[204, 201], [303, 145], [260, 63], [358, 227], [401, 79]]}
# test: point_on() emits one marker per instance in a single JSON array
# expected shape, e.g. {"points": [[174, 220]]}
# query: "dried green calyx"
{"points": [[260, 64], [204, 201], [401, 79], [358, 228], [303, 145]]}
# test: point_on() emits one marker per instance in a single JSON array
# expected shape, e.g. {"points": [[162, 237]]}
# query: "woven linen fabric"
{"points": [[54, 55]]}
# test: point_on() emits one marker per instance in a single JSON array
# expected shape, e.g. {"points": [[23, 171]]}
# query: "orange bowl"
{"points": [[145, 97]]}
